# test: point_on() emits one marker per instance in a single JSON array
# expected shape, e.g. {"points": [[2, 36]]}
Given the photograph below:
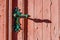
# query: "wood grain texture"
{"points": [[59, 18], [30, 22], [3, 27], [34, 25], [50, 20], [46, 16], [54, 19], [38, 11], [43, 23]]}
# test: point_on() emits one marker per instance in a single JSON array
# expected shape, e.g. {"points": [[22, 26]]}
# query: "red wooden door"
{"points": [[43, 23], [44, 20]]}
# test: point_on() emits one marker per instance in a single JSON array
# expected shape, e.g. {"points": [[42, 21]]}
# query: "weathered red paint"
{"points": [[42, 24]]}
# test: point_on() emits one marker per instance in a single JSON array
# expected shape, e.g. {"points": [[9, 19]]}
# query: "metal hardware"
{"points": [[17, 15]]}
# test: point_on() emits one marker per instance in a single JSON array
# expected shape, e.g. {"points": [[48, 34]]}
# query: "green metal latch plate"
{"points": [[17, 15]]}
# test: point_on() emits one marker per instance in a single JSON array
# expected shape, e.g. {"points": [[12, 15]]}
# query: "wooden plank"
{"points": [[30, 22], [38, 35], [20, 5], [46, 18], [54, 19], [3, 27], [35, 27], [10, 21], [59, 18]]}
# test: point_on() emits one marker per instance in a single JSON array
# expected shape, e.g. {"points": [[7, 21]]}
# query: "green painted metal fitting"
{"points": [[17, 15]]}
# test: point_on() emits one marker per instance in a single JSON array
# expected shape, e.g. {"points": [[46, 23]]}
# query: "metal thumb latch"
{"points": [[17, 15]]}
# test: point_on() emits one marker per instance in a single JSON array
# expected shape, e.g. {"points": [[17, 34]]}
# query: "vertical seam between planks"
{"points": [[33, 17], [50, 19], [42, 18], [7, 19]]}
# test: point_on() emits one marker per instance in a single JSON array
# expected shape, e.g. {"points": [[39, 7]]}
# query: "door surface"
{"points": [[43, 23]]}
